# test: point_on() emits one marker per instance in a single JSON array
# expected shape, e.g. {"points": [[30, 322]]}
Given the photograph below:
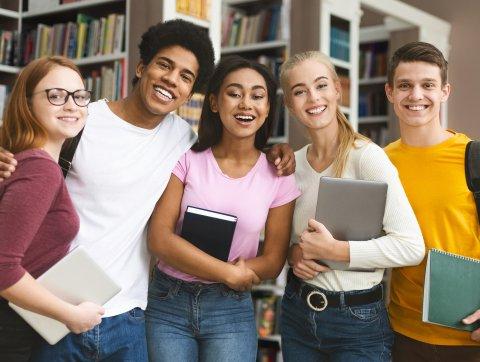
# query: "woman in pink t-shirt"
{"points": [[37, 218], [200, 307]]}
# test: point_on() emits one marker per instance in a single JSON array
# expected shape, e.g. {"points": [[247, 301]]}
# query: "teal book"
{"points": [[452, 289]]}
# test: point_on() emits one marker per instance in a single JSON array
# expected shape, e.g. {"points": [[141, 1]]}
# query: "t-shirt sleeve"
{"points": [[180, 169], [23, 207], [287, 191]]}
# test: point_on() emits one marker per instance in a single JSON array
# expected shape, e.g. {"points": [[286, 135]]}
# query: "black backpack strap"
{"points": [[472, 171], [67, 153]]}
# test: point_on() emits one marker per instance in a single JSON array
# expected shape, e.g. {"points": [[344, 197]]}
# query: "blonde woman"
{"points": [[354, 325]]}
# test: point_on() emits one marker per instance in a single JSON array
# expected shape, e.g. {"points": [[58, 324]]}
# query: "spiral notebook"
{"points": [[452, 289]]}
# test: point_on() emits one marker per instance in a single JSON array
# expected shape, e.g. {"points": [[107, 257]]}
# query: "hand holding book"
{"points": [[472, 318]]}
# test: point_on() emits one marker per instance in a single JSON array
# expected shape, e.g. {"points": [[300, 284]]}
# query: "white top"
{"points": [[403, 243], [118, 173]]}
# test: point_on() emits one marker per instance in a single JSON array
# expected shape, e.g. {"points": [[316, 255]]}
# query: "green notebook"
{"points": [[452, 289]]}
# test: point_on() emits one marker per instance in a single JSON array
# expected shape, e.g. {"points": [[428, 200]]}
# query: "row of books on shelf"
{"points": [[339, 44], [85, 38], [372, 103], [373, 60], [191, 110], [8, 47], [239, 28], [377, 132], [109, 82], [197, 8]]}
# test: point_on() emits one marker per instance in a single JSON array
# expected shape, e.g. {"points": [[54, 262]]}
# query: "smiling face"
{"points": [[242, 103], [167, 81], [417, 93], [64, 121], [312, 94]]}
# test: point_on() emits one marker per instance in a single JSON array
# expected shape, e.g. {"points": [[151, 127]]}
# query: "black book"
{"points": [[210, 231]]}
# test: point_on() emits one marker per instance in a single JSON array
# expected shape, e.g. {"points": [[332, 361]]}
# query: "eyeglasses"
{"points": [[59, 96]]}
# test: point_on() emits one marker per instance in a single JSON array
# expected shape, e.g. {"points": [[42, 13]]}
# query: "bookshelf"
{"points": [[46, 27], [107, 71], [373, 114], [10, 27], [259, 30]]}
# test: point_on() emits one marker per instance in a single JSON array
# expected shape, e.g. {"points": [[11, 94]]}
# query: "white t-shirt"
{"points": [[118, 173], [402, 243]]}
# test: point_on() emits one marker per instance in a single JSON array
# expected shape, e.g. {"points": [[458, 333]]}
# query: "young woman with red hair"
{"points": [[37, 219]]}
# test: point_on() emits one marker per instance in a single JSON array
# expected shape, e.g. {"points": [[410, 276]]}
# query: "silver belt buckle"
{"points": [[315, 308]]}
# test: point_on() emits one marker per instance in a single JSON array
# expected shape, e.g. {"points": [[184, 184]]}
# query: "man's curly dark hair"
{"points": [[184, 34]]}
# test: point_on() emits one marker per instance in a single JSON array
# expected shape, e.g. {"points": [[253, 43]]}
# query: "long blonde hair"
{"points": [[346, 134]]}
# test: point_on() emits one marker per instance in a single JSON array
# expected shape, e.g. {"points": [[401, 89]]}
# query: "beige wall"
{"points": [[464, 60]]}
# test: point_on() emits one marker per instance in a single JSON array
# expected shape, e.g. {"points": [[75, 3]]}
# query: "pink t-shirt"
{"points": [[249, 198]]}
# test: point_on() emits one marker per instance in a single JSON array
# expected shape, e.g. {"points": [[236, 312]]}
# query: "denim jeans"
{"points": [[198, 322], [346, 334], [118, 338], [17, 338]]}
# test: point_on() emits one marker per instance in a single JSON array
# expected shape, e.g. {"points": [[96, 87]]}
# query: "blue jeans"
{"points": [[118, 338], [198, 322], [346, 334]]}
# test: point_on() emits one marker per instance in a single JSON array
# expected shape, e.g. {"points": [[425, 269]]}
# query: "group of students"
{"points": [[138, 166]]}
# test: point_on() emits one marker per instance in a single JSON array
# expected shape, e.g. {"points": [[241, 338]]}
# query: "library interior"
{"points": [[102, 38]]}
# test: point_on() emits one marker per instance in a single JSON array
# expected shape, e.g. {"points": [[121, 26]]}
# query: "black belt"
{"points": [[319, 299]]}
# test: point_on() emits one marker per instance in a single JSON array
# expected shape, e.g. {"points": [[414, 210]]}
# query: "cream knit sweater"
{"points": [[402, 243]]}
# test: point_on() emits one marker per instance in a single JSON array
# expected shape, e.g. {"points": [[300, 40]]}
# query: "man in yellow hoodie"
{"points": [[430, 161]]}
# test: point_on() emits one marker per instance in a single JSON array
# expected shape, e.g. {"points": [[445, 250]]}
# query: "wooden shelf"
{"points": [[99, 59], [373, 119], [255, 46], [375, 80], [9, 69], [67, 7], [341, 63], [9, 13]]}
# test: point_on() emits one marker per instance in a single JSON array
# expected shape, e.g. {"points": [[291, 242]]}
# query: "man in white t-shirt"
{"points": [[120, 168]]}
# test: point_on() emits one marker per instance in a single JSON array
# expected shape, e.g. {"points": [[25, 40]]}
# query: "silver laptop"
{"points": [[76, 278], [351, 210]]}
